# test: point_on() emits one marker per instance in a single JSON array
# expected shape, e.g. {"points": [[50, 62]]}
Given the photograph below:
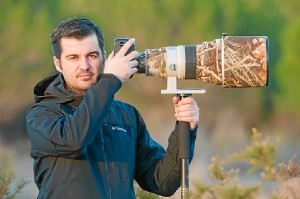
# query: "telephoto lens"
{"points": [[232, 61]]}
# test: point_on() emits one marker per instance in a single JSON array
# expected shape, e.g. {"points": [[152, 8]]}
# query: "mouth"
{"points": [[86, 77]]}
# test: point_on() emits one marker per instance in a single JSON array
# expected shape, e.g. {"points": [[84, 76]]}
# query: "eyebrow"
{"points": [[90, 53], [94, 52], [71, 55]]}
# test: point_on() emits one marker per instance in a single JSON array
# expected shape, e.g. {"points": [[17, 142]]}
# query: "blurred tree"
{"points": [[26, 52], [287, 98], [23, 47], [288, 75], [26, 56]]}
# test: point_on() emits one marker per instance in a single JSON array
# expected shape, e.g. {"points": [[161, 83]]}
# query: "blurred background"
{"points": [[227, 115]]}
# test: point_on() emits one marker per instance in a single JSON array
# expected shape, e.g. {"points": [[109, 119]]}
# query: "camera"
{"points": [[231, 61], [119, 43]]}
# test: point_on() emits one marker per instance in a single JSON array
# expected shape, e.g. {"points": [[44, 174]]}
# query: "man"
{"points": [[87, 145]]}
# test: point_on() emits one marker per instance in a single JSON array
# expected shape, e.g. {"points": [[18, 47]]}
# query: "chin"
{"points": [[86, 84], [86, 87]]}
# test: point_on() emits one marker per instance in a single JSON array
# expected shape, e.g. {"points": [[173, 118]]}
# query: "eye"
{"points": [[72, 57], [94, 56]]}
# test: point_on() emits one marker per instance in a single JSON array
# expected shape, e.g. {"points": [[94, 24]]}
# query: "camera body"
{"points": [[119, 43]]}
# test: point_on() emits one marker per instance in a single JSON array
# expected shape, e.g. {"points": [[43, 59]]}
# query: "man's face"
{"points": [[80, 63]]}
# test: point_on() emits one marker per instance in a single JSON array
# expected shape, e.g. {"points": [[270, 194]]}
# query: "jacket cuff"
{"points": [[111, 77], [193, 132], [108, 75]]}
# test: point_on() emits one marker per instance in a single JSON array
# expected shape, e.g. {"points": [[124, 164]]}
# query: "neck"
{"points": [[74, 90]]}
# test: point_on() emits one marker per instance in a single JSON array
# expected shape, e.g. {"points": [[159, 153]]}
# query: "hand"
{"points": [[186, 110], [120, 65]]}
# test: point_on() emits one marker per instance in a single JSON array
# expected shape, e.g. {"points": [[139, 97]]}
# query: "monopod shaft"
{"points": [[184, 153], [183, 133]]}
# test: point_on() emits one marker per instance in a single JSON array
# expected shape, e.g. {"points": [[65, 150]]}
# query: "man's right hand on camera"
{"points": [[120, 65]]}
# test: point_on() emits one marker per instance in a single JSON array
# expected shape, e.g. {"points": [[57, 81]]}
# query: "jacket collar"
{"points": [[52, 88]]}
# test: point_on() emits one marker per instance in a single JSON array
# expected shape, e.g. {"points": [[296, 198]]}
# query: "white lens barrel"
{"points": [[171, 61], [181, 62]]}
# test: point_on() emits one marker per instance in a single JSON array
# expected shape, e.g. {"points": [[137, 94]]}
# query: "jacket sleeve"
{"points": [[54, 133], [157, 170]]}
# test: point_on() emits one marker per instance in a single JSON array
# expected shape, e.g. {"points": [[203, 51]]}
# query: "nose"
{"points": [[84, 64]]}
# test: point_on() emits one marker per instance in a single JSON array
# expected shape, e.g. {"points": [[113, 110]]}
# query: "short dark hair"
{"points": [[78, 28]]}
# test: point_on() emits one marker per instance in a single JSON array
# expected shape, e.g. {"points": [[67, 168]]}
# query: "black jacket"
{"points": [[93, 146]]}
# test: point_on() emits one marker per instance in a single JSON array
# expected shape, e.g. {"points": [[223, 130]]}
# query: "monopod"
{"points": [[232, 61]]}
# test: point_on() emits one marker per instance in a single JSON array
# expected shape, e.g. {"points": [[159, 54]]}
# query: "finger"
{"points": [[132, 55], [186, 113], [134, 70], [126, 47], [186, 100], [175, 100], [181, 110], [182, 105], [111, 55], [133, 63]]}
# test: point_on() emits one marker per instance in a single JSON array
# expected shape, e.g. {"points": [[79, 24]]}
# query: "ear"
{"points": [[103, 61], [57, 64], [104, 57]]}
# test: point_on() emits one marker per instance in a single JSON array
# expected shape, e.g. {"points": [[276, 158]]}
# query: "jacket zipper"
{"points": [[106, 164]]}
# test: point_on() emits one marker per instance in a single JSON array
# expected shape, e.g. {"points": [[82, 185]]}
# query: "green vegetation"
{"points": [[26, 53], [6, 179], [260, 155], [26, 58]]}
